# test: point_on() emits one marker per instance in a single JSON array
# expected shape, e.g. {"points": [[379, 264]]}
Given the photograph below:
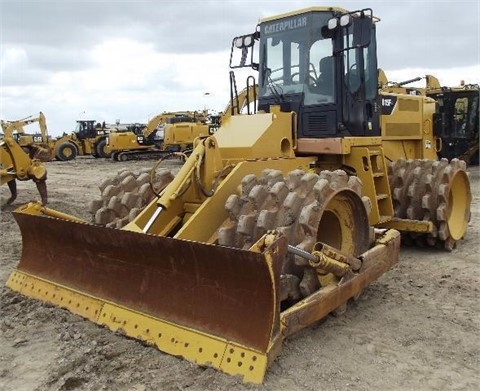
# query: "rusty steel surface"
{"points": [[229, 293]]}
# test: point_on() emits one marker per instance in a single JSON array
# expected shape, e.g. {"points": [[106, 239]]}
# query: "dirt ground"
{"points": [[416, 328]]}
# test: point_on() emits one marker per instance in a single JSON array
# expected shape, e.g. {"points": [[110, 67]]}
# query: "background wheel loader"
{"points": [[16, 164], [274, 221], [89, 138]]}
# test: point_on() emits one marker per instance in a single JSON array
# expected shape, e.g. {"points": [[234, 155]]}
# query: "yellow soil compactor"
{"points": [[276, 220]]}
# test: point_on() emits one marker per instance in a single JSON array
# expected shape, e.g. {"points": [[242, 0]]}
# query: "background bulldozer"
{"points": [[276, 220]]}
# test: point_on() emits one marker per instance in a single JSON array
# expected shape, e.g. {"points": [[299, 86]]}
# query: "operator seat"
{"points": [[325, 81]]}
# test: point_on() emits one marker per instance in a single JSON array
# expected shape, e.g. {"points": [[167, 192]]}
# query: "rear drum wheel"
{"points": [[436, 191]]}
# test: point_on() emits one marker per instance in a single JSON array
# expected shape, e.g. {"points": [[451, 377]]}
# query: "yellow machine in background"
{"points": [[163, 134], [131, 140], [174, 131], [16, 164], [456, 122], [89, 138], [459, 125], [274, 221], [37, 145], [147, 142], [181, 132]]}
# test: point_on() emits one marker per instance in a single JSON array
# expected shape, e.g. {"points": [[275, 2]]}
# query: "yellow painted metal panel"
{"points": [[193, 345], [78, 303]]}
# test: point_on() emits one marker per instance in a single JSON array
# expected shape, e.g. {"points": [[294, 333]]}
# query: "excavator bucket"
{"points": [[210, 304]]}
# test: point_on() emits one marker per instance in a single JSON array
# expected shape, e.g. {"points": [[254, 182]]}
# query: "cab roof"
{"points": [[303, 11]]}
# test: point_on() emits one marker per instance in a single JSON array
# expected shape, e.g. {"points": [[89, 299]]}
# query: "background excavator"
{"points": [[173, 131], [154, 140], [276, 220]]}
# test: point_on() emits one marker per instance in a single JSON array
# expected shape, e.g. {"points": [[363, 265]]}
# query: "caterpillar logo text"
{"points": [[289, 24]]}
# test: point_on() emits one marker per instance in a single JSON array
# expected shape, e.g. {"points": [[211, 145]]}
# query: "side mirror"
{"points": [[360, 21], [362, 31], [241, 54]]}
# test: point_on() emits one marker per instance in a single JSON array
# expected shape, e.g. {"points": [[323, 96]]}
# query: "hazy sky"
{"points": [[129, 60]]}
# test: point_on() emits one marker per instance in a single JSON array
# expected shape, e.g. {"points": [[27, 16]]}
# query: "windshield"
{"points": [[296, 58]]}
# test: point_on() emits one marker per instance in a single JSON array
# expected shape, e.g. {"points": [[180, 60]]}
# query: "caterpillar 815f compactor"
{"points": [[271, 224]]}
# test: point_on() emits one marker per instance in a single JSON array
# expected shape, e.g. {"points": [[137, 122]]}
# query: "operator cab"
{"points": [[85, 129], [459, 112], [320, 63]]}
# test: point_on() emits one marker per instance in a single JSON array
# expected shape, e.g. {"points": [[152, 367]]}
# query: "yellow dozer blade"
{"points": [[213, 305], [210, 304]]}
